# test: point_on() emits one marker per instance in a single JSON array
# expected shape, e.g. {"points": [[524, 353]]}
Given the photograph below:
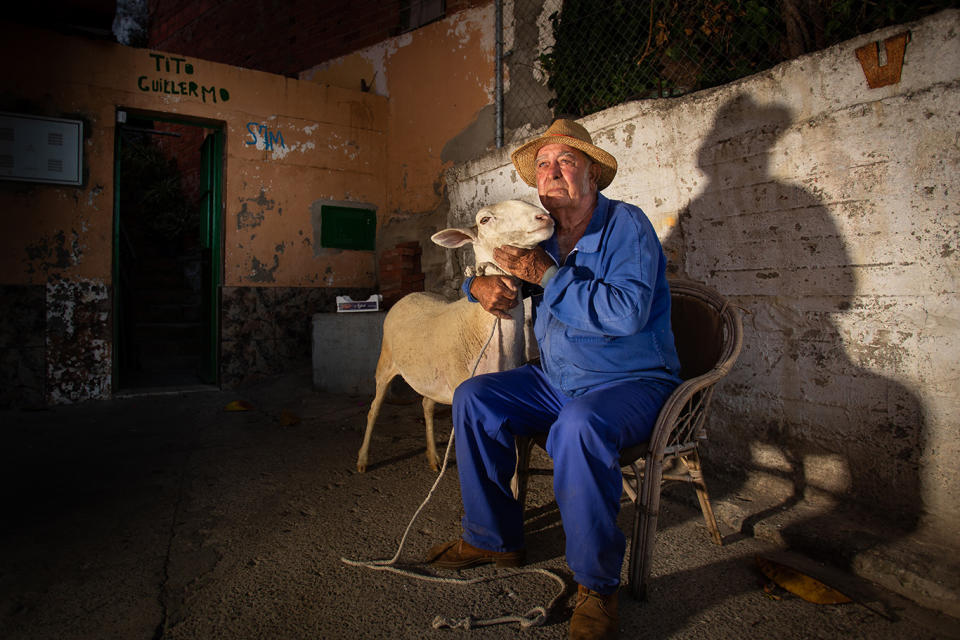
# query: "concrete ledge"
{"points": [[904, 561], [345, 348]]}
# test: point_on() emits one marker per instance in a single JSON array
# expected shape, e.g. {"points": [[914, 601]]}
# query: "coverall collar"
{"points": [[590, 241]]}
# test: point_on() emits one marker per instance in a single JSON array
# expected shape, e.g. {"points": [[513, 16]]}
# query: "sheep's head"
{"points": [[512, 222]]}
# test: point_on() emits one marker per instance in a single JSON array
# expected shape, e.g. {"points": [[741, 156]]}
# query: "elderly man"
{"points": [[608, 363]]}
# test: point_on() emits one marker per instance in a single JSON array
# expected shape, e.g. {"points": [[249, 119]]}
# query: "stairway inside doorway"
{"points": [[167, 316], [163, 264]]}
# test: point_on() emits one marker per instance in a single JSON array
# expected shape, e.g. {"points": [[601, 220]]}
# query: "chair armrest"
{"points": [[672, 414]]}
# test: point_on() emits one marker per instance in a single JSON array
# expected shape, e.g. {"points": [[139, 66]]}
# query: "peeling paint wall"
{"points": [[440, 83], [283, 164], [828, 211], [288, 144]]}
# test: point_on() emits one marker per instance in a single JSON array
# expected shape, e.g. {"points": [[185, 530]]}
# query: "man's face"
{"points": [[565, 176]]}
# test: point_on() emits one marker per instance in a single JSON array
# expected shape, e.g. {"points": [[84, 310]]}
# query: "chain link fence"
{"points": [[576, 57]]}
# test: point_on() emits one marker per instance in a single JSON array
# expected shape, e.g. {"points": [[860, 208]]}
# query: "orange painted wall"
{"points": [[437, 84], [438, 79], [335, 149], [56, 252]]}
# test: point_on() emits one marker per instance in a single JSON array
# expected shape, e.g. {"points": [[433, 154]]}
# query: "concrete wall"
{"points": [[59, 239], [827, 210], [346, 347]]}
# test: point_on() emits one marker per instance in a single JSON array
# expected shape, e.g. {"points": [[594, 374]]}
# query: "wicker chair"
{"points": [[708, 335]]}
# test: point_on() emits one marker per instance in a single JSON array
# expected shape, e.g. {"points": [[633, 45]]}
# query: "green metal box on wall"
{"points": [[348, 227]]}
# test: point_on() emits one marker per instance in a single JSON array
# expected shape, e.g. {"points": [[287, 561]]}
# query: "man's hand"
{"points": [[496, 294], [526, 264]]}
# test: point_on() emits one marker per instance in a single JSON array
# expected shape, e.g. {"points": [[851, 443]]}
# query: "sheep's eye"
{"points": [[484, 219]]}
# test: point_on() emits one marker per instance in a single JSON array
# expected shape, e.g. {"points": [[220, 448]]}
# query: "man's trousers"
{"points": [[586, 434]]}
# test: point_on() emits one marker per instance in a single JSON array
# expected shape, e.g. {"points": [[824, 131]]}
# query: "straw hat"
{"points": [[571, 134]]}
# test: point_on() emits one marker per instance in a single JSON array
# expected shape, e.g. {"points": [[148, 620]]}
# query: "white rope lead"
{"points": [[532, 618]]}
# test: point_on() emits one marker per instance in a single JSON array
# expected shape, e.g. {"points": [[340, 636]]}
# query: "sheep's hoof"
{"points": [[433, 464], [361, 466]]}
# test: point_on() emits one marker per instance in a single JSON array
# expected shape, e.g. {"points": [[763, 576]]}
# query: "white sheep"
{"points": [[435, 344]]}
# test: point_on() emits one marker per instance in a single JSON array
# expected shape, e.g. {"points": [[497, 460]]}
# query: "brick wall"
{"points": [[282, 38], [400, 272]]}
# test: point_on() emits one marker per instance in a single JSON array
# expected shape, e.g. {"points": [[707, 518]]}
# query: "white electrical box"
{"points": [[39, 149]]}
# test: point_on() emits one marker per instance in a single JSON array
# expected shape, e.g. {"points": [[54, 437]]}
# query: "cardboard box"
{"points": [[346, 304]]}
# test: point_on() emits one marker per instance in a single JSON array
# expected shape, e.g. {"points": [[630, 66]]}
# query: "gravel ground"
{"points": [[167, 517]]}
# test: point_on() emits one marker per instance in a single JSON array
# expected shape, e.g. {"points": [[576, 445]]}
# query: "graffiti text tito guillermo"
{"points": [[177, 85]]}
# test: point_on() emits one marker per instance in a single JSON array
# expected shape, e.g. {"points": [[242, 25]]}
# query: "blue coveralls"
{"points": [[608, 363]]}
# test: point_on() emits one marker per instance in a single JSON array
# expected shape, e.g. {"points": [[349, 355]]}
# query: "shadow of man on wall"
{"points": [[838, 439]]}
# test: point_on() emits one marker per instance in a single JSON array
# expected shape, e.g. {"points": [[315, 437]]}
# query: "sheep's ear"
{"points": [[453, 238]]}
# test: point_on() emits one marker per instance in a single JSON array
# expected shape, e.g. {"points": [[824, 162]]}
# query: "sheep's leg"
{"points": [[383, 383], [428, 406]]}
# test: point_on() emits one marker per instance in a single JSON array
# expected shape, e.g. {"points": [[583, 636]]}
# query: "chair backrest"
{"points": [[708, 336], [706, 330]]}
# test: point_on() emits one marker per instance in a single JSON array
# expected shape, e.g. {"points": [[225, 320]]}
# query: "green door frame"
{"points": [[211, 225], [211, 240]]}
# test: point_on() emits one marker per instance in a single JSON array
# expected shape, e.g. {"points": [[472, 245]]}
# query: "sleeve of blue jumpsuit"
{"points": [[616, 299], [465, 287]]}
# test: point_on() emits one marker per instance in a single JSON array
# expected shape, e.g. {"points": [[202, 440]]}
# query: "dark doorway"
{"points": [[167, 252]]}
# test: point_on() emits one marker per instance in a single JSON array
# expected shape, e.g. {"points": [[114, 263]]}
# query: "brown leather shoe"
{"points": [[594, 616], [460, 554]]}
